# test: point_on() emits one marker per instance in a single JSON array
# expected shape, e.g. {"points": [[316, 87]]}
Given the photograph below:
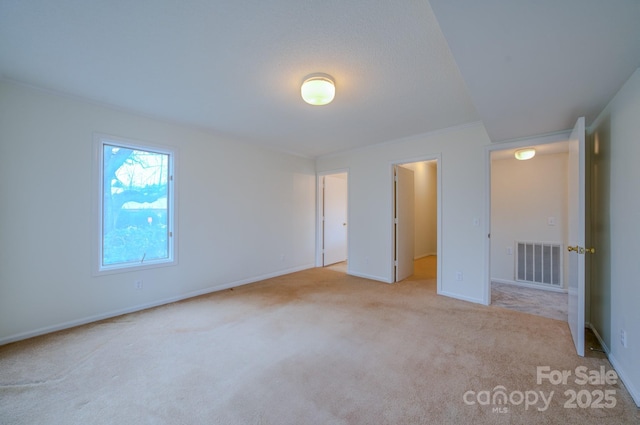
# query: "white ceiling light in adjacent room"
{"points": [[524, 154], [318, 89]]}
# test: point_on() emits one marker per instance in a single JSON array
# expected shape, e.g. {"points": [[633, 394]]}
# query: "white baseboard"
{"points": [[133, 309], [529, 285], [370, 277], [461, 297], [624, 377]]}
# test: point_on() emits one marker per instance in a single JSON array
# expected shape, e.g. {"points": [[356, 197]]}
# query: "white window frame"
{"points": [[99, 141]]}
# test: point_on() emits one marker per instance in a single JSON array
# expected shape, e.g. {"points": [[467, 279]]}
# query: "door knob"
{"points": [[581, 250]]}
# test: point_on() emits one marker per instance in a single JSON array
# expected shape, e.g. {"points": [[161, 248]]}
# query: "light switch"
{"points": [[551, 221]]}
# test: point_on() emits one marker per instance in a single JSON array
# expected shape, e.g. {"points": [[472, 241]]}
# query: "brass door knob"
{"points": [[581, 250]]}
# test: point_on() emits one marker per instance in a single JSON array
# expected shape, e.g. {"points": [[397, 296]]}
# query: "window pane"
{"points": [[135, 213]]}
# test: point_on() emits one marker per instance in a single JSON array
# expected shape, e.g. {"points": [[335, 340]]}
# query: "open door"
{"points": [[335, 219], [404, 222], [576, 234]]}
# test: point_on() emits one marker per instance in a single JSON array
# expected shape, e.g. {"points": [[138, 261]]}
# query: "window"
{"points": [[136, 210]]}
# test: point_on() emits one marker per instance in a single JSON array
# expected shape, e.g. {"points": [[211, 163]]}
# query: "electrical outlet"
{"points": [[459, 276], [138, 284], [623, 338], [509, 250]]}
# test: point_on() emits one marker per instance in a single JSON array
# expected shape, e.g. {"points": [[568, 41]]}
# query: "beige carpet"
{"points": [[314, 347]]}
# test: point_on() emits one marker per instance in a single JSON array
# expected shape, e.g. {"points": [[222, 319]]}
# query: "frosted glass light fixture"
{"points": [[524, 154], [318, 89]]}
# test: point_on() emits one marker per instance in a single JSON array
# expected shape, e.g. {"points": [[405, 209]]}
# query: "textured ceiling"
{"points": [[234, 67], [534, 67]]}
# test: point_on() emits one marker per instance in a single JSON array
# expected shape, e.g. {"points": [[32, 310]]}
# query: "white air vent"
{"points": [[539, 263]]}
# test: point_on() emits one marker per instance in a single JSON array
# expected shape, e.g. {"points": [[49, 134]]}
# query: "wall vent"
{"points": [[539, 263]]}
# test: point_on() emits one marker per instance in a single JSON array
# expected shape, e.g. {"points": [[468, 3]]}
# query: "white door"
{"points": [[335, 219], [404, 222], [576, 235]]}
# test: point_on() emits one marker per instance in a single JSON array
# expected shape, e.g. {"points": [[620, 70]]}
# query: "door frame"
{"points": [[320, 209], [391, 241], [495, 147]]}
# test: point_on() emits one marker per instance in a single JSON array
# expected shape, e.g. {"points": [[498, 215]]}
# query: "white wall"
{"points": [[524, 195], [617, 130], [240, 209], [426, 201], [370, 205]]}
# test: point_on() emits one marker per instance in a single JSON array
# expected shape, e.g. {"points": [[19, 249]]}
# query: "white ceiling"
{"points": [[533, 67], [234, 67]]}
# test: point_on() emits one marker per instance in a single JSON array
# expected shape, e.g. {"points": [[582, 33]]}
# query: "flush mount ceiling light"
{"points": [[318, 89], [524, 154]]}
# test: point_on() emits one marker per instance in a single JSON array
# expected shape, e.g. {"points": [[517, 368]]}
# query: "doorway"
{"points": [[574, 246], [416, 219], [333, 220], [529, 224]]}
